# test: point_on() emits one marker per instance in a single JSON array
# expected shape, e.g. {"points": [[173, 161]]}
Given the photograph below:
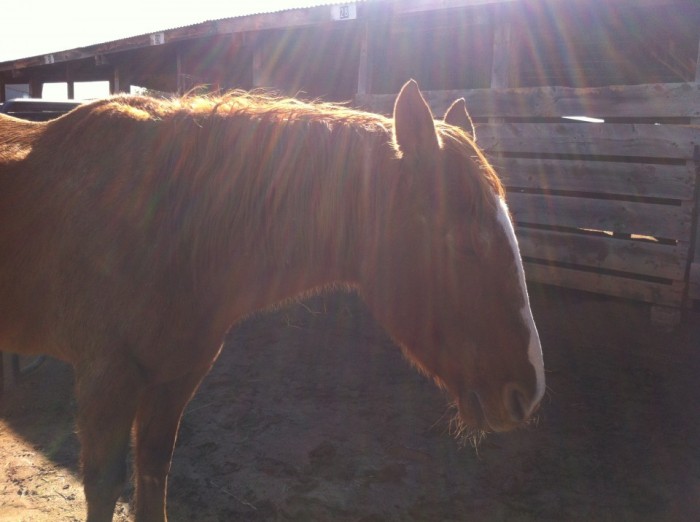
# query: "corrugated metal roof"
{"points": [[260, 10]]}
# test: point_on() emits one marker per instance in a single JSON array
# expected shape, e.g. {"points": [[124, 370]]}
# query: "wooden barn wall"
{"points": [[604, 207], [310, 62], [573, 44]]}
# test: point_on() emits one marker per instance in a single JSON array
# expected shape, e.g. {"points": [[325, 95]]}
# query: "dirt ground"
{"points": [[311, 414]]}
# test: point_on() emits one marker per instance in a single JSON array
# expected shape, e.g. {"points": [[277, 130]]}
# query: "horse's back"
{"points": [[16, 139]]}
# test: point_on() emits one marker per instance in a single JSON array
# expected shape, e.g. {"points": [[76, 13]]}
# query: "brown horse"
{"points": [[134, 232]]}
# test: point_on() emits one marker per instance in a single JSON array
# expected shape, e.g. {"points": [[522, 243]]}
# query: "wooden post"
{"points": [[180, 79], [3, 94], [114, 82], [69, 82], [364, 75], [500, 65], [693, 272], [697, 66], [120, 81], [258, 80], [36, 87]]}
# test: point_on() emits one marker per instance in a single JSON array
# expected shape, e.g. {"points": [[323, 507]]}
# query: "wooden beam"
{"points": [[69, 82], [643, 219], [260, 66], [576, 140], [36, 87], [694, 284], [602, 252], [180, 78], [502, 44], [693, 269], [364, 73], [606, 284], [650, 180], [697, 66], [115, 82]]}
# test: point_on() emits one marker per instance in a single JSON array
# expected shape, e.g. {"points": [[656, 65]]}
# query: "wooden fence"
{"points": [[607, 207]]}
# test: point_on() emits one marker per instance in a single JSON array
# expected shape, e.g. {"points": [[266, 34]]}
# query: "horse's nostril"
{"points": [[516, 403]]}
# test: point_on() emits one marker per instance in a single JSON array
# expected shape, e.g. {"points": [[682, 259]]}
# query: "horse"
{"points": [[134, 232]]}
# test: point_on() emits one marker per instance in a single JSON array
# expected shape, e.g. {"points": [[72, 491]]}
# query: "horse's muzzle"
{"points": [[507, 412]]}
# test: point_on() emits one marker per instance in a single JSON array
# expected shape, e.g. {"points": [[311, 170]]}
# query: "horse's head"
{"points": [[444, 273]]}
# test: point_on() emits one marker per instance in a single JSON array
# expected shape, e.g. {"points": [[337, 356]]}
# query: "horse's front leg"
{"points": [[157, 423], [106, 408]]}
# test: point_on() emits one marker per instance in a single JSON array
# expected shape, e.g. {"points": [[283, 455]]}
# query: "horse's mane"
{"points": [[260, 160], [280, 171], [254, 104]]}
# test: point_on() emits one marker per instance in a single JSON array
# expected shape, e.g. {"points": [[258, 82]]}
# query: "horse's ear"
{"points": [[458, 116], [414, 128]]}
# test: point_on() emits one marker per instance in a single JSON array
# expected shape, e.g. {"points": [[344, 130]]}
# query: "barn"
{"points": [[590, 111]]}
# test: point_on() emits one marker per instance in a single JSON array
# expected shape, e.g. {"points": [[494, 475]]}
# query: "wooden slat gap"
{"points": [[618, 236], [611, 234], [492, 153], [603, 271], [612, 120], [596, 195]]}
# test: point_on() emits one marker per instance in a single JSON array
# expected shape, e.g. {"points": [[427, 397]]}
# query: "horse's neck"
{"points": [[309, 239]]}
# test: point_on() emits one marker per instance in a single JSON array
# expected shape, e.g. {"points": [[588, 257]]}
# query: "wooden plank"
{"points": [[600, 177], [604, 284], [694, 283], [665, 318], [580, 139], [603, 252], [648, 219], [670, 100]]}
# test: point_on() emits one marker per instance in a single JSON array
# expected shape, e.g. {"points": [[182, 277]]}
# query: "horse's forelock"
{"points": [[475, 181], [460, 142]]}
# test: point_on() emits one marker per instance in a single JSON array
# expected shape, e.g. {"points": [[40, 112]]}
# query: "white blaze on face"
{"points": [[534, 350]]}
